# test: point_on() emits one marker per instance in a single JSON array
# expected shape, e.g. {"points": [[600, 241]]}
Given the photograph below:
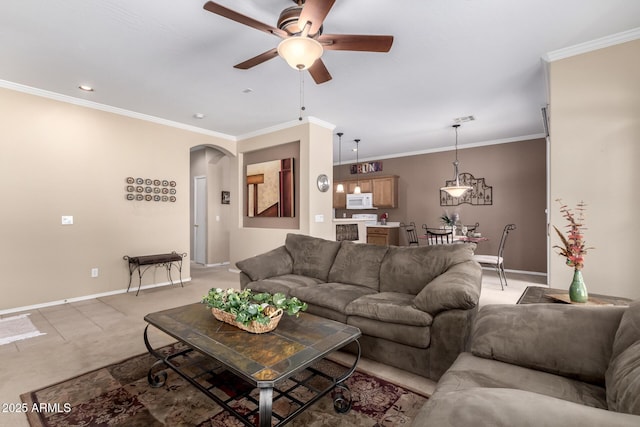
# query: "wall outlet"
{"points": [[94, 272]]}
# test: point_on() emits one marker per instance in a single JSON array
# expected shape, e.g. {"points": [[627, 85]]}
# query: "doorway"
{"points": [[200, 220]]}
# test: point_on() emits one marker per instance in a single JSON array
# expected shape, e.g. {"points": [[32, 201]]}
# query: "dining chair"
{"points": [[412, 235], [497, 261], [439, 236]]}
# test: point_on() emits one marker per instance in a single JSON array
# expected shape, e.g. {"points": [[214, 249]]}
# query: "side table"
{"points": [[543, 295]]}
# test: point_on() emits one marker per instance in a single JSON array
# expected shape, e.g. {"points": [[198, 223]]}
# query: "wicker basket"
{"points": [[253, 326]]}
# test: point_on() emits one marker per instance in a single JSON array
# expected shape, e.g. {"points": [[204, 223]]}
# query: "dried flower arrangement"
{"points": [[574, 247]]}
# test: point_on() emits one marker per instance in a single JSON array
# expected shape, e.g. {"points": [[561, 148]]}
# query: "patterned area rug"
{"points": [[119, 395]]}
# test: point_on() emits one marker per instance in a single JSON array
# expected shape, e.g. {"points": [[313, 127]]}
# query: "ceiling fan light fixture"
{"points": [[300, 52]]}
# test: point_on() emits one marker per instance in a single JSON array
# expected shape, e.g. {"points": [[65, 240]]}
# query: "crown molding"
{"points": [[614, 39], [286, 125], [110, 109], [452, 147]]}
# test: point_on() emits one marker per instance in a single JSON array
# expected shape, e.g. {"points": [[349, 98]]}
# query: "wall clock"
{"points": [[323, 182]]}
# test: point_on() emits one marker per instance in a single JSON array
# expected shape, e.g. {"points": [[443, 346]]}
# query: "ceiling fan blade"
{"points": [[257, 60], [319, 72], [364, 43], [314, 11], [242, 19]]}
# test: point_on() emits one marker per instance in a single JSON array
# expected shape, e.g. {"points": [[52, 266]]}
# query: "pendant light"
{"points": [[357, 190], [456, 190], [340, 186]]}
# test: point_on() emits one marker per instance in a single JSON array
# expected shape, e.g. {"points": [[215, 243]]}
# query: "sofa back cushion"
{"points": [[623, 374], [568, 340], [358, 264], [312, 256], [276, 262], [408, 269]]}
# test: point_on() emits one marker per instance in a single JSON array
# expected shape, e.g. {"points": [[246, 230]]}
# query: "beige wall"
{"points": [[517, 173], [595, 148], [315, 158], [60, 159]]}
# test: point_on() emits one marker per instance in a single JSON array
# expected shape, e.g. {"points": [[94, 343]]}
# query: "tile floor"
{"points": [[86, 335]]}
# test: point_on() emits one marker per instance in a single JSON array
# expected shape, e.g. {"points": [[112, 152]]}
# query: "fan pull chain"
{"points": [[302, 107]]}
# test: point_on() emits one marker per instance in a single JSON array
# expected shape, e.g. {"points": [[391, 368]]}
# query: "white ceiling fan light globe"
{"points": [[300, 52]]}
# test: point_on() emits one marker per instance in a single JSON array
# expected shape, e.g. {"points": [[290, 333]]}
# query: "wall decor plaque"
{"points": [[480, 194], [149, 189]]}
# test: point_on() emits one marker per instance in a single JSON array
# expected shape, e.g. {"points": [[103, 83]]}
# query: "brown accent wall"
{"points": [[517, 173]]}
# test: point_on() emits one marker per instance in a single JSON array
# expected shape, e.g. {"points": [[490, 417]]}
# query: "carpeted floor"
{"points": [[16, 328], [119, 395]]}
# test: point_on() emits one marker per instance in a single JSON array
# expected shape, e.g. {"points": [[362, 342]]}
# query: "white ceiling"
{"points": [[450, 58]]}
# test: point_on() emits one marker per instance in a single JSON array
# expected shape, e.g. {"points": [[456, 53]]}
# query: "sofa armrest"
{"points": [[572, 341], [456, 288], [502, 407], [276, 262]]}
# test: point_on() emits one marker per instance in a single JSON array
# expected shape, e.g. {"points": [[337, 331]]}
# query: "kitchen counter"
{"points": [[389, 224]]}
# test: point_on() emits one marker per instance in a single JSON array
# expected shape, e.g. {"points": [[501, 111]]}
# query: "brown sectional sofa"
{"points": [[414, 305], [543, 365]]}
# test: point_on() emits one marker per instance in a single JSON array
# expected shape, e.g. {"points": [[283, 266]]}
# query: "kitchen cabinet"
{"points": [[365, 186], [383, 236], [385, 192], [384, 189], [339, 199]]}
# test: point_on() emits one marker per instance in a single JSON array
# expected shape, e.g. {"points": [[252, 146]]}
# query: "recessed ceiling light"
{"points": [[199, 116], [86, 88]]}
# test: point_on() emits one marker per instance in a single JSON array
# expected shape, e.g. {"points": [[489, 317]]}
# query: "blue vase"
{"points": [[578, 290]]}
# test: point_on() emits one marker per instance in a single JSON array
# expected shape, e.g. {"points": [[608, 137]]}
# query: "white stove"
{"points": [[369, 219]]}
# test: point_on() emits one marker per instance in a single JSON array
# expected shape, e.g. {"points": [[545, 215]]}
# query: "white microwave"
{"points": [[360, 201]]}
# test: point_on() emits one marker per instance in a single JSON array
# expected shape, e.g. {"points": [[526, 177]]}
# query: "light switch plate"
{"points": [[67, 220], [320, 218]]}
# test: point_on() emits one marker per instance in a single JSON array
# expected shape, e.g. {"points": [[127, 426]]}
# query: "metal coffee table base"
{"points": [[200, 370]]}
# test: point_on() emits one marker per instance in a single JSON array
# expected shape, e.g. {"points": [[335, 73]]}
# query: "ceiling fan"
{"points": [[300, 28]]}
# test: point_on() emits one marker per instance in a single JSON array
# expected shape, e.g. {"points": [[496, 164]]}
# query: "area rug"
{"points": [[119, 395], [16, 328]]}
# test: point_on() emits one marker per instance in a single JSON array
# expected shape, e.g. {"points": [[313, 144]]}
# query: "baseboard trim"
{"points": [[86, 297]]}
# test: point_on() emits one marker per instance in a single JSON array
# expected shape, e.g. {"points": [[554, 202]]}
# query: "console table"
{"points": [[144, 262]]}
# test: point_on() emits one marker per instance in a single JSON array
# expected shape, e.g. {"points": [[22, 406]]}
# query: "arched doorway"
{"points": [[211, 213]]}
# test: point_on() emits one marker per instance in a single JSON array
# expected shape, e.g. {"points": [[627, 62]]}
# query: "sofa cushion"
{"points": [[505, 407], [358, 264], [469, 371], [407, 269], [623, 381], [629, 329], [390, 307], [285, 284], [335, 296], [414, 336], [273, 263], [623, 374], [312, 256], [530, 336], [456, 288]]}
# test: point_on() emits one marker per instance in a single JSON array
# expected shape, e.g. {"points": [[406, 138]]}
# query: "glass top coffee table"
{"points": [[265, 361]]}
